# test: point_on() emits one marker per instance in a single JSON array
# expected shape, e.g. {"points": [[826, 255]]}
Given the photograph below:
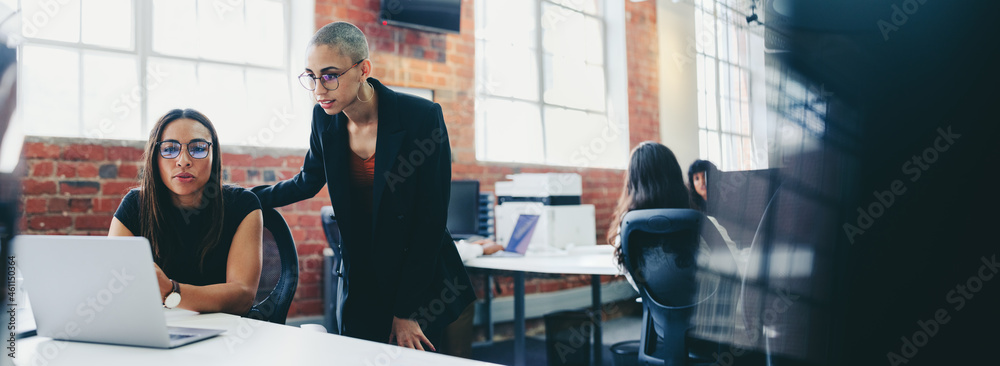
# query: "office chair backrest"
{"points": [[279, 275], [661, 250], [332, 231], [334, 289]]}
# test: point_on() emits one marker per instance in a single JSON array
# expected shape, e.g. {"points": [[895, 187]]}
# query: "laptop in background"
{"points": [[97, 289], [520, 237]]}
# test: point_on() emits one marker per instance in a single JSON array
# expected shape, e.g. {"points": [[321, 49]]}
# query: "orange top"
{"points": [[363, 178]]}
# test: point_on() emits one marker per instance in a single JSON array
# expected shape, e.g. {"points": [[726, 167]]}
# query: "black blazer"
{"points": [[418, 262]]}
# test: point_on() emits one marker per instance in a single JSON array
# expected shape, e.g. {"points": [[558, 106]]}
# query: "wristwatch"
{"points": [[174, 297]]}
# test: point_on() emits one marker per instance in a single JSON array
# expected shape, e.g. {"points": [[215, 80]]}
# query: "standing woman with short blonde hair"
{"points": [[386, 162]]}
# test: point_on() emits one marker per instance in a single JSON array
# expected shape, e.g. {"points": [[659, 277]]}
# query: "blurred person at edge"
{"points": [[9, 184]]}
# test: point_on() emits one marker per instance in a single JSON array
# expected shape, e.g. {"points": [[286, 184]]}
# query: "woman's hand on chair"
{"points": [[407, 333]]}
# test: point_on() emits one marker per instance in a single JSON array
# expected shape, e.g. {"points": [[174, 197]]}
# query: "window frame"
{"points": [[744, 156], [141, 51], [539, 104]]}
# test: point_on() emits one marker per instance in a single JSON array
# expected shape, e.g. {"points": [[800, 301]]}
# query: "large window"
{"points": [[107, 69], [730, 62], [549, 82]]}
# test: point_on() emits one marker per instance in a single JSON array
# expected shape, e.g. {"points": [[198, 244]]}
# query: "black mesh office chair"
{"points": [[661, 248], [279, 275]]}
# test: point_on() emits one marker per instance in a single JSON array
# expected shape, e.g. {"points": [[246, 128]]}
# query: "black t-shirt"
{"points": [[187, 228]]}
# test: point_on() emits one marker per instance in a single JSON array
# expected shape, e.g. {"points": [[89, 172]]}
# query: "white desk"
{"points": [[591, 264], [245, 342]]}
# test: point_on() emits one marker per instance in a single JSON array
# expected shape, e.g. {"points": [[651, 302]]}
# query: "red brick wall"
{"points": [[73, 186], [643, 62]]}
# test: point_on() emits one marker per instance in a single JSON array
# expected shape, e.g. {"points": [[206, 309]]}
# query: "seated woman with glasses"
{"points": [[205, 237]]}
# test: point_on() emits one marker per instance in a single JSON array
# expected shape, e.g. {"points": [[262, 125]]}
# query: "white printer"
{"points": [[563, 223]]}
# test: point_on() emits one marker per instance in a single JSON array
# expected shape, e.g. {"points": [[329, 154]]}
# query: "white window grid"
{"points": [[725, 109], [140, 49], [538, 137]]}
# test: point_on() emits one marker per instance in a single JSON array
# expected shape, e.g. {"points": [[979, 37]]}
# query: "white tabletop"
{"points": [[593, 264], [245, 342]]}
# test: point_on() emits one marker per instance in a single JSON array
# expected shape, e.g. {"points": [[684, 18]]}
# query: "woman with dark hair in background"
{"points": [[205, 237], [698, 191], [653, 180], [698, 184]]}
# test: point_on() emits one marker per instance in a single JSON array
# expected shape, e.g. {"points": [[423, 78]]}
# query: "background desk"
{"points": [[245, 342], [592, 264]]}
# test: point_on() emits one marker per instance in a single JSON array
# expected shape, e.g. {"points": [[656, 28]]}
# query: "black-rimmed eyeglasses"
{"points": [[170, 149], [308, 81]]}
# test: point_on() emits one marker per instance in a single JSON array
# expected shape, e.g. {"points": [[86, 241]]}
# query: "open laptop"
{"points": [[97, 289], [520, 237]]}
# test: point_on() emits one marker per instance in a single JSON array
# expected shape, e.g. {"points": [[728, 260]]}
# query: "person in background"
{"points": [[698, 185], [698, 174], [10, 184], [653, 180], [205, 237], [477, 248]]}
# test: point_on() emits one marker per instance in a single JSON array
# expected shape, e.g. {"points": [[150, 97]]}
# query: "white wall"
{"points": [[678, 82]]}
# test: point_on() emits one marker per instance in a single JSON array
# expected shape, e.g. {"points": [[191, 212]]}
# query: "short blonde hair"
{"points": [[345, 37]]}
